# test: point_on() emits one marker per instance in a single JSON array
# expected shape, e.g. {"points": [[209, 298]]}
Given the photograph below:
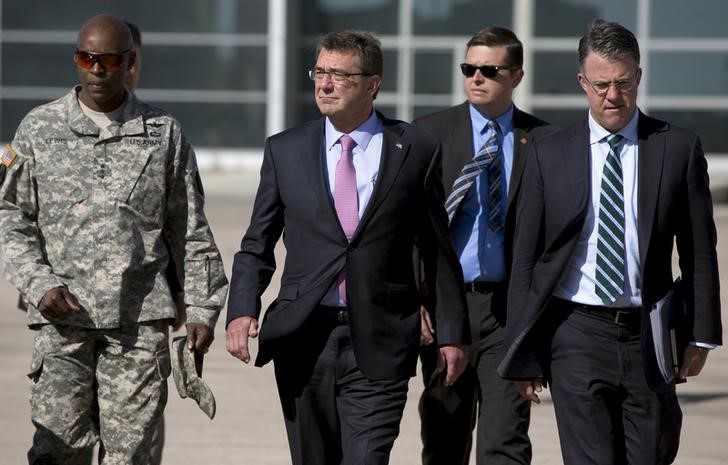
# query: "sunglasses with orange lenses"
{"points": [[108, 61]]}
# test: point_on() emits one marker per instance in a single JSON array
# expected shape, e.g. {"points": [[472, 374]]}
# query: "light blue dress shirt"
{"points": [[481, 251], [366, 154]]}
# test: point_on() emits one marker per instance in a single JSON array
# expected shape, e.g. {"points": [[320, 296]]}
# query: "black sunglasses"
{"points": [[108, 61], [488, 71]]}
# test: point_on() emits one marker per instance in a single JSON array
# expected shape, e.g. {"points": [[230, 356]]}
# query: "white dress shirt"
{"points": [[578, 284]]}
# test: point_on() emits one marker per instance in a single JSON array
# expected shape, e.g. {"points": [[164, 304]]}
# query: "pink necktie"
{"points": [[346, 198]]}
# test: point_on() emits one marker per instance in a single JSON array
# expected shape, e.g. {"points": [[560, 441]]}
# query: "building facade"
{"points": [[234, 71]]}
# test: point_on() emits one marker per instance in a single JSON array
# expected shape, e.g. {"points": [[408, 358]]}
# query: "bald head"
{"points": [[105, 31], [104, 56]]}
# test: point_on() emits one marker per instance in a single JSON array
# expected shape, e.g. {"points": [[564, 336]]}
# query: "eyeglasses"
{"points": [[336, 76], [488, 71], [108, 61], [602, 87]]}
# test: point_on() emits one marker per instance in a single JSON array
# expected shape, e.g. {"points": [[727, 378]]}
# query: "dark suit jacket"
{"points": [[382, 295], [454, 129], [674, 206]]}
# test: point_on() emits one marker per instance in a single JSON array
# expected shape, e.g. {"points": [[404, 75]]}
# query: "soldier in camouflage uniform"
{"points": [[97, 183]]}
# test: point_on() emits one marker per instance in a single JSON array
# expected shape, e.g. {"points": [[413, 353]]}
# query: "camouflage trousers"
{"points": [[105, 386]]}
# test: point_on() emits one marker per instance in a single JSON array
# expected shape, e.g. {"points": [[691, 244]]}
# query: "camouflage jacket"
{"points": [[101, 211]]}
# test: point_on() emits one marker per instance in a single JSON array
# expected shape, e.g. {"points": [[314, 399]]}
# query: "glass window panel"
{"points": [[306, 111], [13, 111], [678, 18], [218, 68], [565, 18], [688, 73], [391, 71], [390, 111], [204, 67], [460, 17], [204, 125], [433, 72], [555, 73], [213, 16], [562, 118], [219, 124], [422, 110], [235, 68], [38, 65], [709, 125], [322, 16]]}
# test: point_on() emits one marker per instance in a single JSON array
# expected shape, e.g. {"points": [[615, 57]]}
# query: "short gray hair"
{"points": [[611, 41]]}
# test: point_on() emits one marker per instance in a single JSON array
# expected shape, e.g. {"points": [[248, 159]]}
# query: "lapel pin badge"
{"points": [[524, 140], [398, 145]]}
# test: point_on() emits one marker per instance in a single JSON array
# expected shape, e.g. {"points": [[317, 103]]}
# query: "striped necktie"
{"points": [[488, 156], [610, 230]]}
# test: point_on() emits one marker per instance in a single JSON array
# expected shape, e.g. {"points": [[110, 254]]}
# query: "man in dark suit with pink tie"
{"points": [[353, 193]]}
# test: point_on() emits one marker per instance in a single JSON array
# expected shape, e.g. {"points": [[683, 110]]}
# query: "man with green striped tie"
{"points": [[602, 204]]}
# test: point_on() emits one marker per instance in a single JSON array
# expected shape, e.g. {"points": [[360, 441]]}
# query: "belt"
{"points": [[335, 315], [481, 287], [622, 316]]}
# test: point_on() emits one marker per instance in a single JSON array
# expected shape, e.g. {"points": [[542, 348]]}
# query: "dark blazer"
{"points": [[382, 293], [674, 206], [454, 129]]}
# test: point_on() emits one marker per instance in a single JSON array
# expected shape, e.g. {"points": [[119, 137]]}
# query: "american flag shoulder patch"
{"points": [[9, 156]]}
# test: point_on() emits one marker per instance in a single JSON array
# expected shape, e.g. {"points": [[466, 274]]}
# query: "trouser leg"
{"points": [[504, 416], [447, 413], [62, 399], [333, 414], [158, 442], [133, 366], [306, 382], [606, 414], [369, 410]]}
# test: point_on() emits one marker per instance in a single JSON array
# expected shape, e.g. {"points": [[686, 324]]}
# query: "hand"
{"points": [[57, 303], [454, 359], [693, 361], [529, 389], [199, 337], [238, 332], [427, 331]]}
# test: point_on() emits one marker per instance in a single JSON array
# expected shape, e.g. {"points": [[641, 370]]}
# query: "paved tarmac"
{"points": [[248, 428]]}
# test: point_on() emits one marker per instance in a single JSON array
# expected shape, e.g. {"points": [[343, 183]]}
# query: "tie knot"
{"points": [[613, 140], [347, 143], [492, 125]]}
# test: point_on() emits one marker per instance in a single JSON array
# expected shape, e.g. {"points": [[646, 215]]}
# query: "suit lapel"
{"points": [[311, 152], [394, 152], [520, 154], [578, 164], [649, 165], [460, 134]]}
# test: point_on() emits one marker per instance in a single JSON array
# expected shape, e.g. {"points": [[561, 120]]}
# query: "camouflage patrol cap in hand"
{"points": [[187, 373]]}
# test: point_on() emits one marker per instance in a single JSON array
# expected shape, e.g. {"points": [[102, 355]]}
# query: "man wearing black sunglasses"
{"points": [[485, 141], [101, 190]]}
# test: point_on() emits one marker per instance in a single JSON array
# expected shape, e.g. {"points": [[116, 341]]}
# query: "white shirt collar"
{"points": [[361, 135], [597, 133]]}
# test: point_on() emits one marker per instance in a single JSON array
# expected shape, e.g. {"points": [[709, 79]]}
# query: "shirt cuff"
{"points": [[704, 345]]}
